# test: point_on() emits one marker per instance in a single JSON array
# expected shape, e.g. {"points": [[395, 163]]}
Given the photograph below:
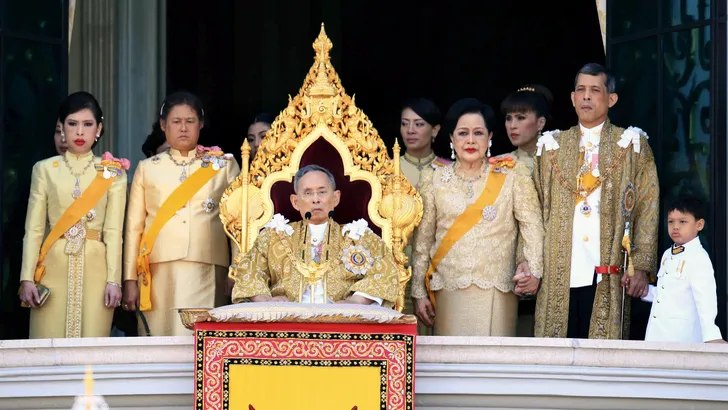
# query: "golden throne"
{"points": [[322, 125]]}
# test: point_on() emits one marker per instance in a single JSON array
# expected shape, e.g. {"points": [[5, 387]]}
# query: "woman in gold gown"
{"points": [[81, 198], [176, 252], [526, 111], [419, 126], [464, 259]]}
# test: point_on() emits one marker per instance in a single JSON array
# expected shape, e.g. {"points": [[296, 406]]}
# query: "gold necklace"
{"points": [[77, 187], [420, 163], [183, 165]]}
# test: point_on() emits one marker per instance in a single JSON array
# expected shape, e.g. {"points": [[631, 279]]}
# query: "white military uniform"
{"points": [[684, 302]]}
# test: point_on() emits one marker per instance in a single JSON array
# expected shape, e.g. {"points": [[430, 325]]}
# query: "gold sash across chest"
{"points": [[176, 200], [464, 223], [78, 209]]}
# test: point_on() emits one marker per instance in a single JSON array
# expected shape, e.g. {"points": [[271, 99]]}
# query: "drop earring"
{"points": [[63, 138], [452, 151], [490, 144], [97, 138]]}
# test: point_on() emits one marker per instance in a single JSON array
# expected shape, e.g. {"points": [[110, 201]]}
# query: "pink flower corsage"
{"points": [[213, 156], [111, 166]]}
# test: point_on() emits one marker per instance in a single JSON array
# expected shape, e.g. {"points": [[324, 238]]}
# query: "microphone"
{"points": [[307, 217], [328, 236]]}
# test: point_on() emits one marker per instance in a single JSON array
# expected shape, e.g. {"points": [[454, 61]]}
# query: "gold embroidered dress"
{"points": [[359, 262], [414, 169], [190, 257], [625, 163], [472, 283], [76, 272], [524, 157]]}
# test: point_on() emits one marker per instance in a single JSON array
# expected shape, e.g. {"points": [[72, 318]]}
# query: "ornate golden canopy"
{"points": [[323, 110]]}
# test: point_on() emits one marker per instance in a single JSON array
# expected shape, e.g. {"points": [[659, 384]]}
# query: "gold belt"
{"points": [[91, 234]]}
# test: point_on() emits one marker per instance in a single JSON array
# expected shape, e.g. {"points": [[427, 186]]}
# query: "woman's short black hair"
{"points": [[81, 101], [425, 108], [154, 140], [469, 106], [530, 98], [182, 98], [263, 117]]}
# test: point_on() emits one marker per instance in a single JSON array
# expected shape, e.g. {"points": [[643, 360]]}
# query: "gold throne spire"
{"points": [[322, 109]]}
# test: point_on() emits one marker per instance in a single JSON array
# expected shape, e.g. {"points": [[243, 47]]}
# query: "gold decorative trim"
{"points": [[75, 294], [322, 109]]}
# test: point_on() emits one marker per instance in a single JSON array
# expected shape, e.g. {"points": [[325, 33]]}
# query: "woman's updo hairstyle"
{"points": [[80, 101], [182, 98], [426, 109], [529, 98], [469, 106]]}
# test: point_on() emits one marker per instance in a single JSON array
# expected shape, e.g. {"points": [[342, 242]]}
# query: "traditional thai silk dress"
{"points": [[525, 157], [414, 169], [471, 280], [82, 259], [175, 245]]}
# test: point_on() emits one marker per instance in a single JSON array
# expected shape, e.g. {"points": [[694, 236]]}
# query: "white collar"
{"points": [[593, 135], [317, 231], [695, 243]]}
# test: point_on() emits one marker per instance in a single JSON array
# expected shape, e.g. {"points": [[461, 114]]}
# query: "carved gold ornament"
{"points": [[322, 109]]}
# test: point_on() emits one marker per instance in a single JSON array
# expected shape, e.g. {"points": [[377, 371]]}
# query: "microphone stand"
{"points": [[326, 272], [304, 248]]}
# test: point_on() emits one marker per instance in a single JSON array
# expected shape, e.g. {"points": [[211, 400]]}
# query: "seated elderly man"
{"points": [[317, 260]]}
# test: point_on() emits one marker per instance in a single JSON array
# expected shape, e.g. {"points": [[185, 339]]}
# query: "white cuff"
{"points": [[370, 297], [712, 333], [651, 294]]}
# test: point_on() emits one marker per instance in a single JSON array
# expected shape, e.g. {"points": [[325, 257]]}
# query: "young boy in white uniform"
{"points": [[684, 302]]}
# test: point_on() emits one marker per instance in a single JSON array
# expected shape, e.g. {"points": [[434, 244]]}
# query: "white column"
{"points": [[141, 74]]}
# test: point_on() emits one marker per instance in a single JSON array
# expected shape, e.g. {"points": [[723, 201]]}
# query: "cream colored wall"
{"points": [[451, 373]]}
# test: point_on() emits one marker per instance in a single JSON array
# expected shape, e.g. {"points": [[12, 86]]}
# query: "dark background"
{"points": [[247, 57]]}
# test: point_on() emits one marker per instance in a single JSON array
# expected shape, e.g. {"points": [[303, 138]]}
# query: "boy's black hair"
{"points": [[689, 204]]}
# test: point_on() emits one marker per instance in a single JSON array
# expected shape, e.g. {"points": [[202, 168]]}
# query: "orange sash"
{"points": [[464, 223], [178, 198], [78, 209]]}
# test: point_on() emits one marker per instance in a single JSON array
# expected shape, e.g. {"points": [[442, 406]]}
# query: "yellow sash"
{"points": [[78, 209], [464, 223], [171, 205]]}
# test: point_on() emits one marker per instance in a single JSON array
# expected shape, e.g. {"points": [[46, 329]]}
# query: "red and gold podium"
{"points": [[267, 356]]}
